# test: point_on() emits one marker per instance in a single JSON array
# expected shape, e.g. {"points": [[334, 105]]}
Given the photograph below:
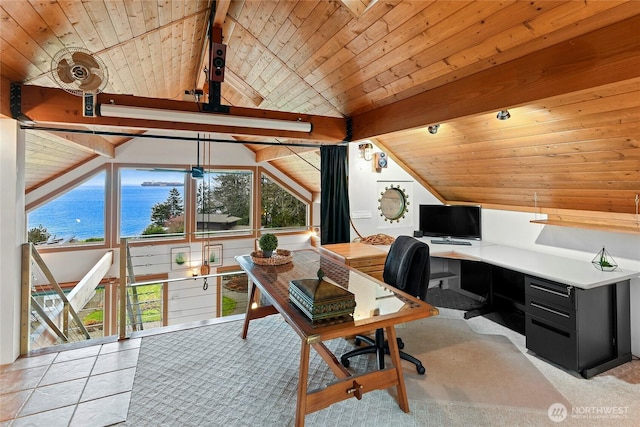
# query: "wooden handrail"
{"points": [[29, 252]]}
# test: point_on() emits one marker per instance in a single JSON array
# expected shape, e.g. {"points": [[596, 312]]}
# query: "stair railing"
{"points": [[29, 303]]}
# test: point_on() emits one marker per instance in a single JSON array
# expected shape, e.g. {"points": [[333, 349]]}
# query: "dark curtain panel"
{"points": [[334, 195]]}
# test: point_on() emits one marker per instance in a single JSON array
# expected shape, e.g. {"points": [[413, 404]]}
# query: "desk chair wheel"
{"points": [[345, 362], [420, 369]]}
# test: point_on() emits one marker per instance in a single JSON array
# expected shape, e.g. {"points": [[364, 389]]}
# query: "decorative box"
{"points": [[319, 299]]}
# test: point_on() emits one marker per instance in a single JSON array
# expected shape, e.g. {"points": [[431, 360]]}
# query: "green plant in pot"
{"points": [[268, 243]]}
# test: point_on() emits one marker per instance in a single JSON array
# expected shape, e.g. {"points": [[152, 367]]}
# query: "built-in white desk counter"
{"points": [[575, 314], [579, 274]]}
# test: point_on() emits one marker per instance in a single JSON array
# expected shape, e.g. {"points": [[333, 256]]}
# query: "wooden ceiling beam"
{"points": [[278, 152], [222, 7], [89, 143], [55, 106], [608, 55]]}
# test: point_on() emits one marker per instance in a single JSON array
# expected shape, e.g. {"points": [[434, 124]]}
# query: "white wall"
{"points": [[12, 232], [503, 227], [365, 186]]}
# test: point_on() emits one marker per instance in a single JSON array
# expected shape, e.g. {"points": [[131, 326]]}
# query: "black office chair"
{"points": [[406, 268]]}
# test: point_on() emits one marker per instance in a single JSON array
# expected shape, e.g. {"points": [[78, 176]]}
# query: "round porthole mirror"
{"points": [[393, 204]]}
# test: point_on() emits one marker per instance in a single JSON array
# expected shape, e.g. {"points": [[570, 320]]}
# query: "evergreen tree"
{"points": [[206, 201], [279, 207], [233, 195], [170, 208], [38, 234], [175, 204]]}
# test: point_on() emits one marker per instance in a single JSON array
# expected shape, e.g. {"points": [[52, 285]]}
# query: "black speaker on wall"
{"points": [[219, 53]]}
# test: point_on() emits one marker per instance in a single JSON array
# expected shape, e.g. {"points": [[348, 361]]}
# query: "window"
{"points": [[224, 201], [151, 202], [75, 217], [279, 207]]}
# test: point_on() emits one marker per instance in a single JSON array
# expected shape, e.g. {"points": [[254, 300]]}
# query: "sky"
{"points": [[137, 177]]}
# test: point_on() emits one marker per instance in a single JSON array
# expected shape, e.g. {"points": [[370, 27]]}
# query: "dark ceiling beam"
{"points": [[608, 55], [45, 105]]}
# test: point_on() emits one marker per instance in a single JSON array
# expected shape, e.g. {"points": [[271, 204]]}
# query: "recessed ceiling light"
{"points": [[503, 115]]}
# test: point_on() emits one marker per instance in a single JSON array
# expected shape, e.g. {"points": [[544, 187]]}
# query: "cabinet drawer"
{"points": [[559, 315], [552, 342], [555, 293], [367, 263]]}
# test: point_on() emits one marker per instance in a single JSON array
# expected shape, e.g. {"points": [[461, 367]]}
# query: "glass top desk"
{"points": [[377, 306]]}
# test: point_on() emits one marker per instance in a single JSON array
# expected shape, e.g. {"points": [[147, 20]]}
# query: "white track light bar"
{"points": [[127, 112]]}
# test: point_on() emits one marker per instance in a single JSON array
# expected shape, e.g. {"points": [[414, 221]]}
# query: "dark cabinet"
{"points": [[579, 329]]}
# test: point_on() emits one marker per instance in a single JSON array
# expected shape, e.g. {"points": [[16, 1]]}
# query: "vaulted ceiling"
{"points": [[568, 72]]}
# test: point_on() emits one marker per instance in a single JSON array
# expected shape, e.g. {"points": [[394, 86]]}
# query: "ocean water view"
{"points": [[80, 212]]}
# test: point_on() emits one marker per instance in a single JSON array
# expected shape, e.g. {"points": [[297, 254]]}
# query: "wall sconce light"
{"points": [[433, 129], [366, 150], [503, 115]]}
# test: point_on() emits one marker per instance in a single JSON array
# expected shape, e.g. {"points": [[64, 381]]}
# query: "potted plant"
{"points": [[268, 243]]}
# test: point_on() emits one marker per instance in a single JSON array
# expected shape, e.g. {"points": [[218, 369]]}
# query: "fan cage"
{"points": [[74, 86]]}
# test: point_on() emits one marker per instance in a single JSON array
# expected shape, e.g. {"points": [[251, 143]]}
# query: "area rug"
{"points": [[209, 376]]}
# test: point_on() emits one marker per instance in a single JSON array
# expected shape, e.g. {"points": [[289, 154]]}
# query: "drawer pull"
{"points": [[550, 310], [550, 291]]}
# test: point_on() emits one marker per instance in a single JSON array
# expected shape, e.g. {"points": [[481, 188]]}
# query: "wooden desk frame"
{"points": [[347, 384]]}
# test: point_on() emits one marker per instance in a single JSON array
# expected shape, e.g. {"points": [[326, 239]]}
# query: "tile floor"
{"points": [[88, 386]]}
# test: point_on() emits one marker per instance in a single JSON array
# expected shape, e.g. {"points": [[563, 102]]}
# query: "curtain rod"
{"points": [[179, 138]]}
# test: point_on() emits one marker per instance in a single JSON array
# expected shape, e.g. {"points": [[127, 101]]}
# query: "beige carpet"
{"points": [[464, 366]]}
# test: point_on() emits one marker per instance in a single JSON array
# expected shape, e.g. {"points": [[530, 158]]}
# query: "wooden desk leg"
{"points": [[247, 317], [403, 401], [301, 406]]}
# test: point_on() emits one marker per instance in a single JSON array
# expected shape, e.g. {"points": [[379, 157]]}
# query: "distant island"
{"points": [[162, 184]]}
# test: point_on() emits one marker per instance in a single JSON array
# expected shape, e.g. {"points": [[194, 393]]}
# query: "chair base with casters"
{"points": [[380, 347], [406, 268]]}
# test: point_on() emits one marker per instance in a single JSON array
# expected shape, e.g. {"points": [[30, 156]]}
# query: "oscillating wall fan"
{"points": [[80, 73]]}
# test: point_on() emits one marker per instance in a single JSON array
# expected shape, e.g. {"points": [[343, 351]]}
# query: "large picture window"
{"points": [[74, 217], [151, 202], [224, 201], [280, 208]]}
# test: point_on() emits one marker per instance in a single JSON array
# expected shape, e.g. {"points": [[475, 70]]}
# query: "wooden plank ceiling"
{"points": [[572, 146]]}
